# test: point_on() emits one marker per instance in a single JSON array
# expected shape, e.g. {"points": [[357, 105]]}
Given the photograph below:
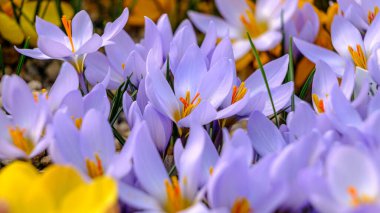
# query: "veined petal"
{"points": [[267, 40], [204, 113], [222, 50], [53, 49], [281, 98], [49, 30], [137, 198], [232, 10], [97, 99], [33, 53], [323, 81], [113, 28], [82, 28], [209, 41], [265, 136], [164, 27], [91, 45], [372, 37]]}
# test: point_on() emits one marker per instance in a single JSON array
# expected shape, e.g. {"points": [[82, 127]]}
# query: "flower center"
{"points": [[357, 199], [175, 201], [372, 14], [241, 205], [189, 104], [20, 141], [37, 94], [94, 168], [238, 92], [67, 24], [319, 103], [358, 56], [254, 27]]}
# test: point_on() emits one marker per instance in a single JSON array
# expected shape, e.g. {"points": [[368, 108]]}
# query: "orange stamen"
{"points": [[318, 103], [20, 141], [238, 92], [175, 201], [241, 205], [67, 25], [94, 168], [188, 104], [356, 199], [358, 56], [372, 15]]}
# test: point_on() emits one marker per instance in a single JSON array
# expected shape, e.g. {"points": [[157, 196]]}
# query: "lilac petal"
{"points": [[217, 82], [204, 113], [160, 127], [33, 53], [9, 151], [136, 67], [371, 38], [142, 99], [182, 40], [241, 48], [119, 51], [96, 137], [265, 136], [91, 45], [97, 67], [302, 121], [343, 163], [113, 28], [151, 35], [66, 82], [53, 49], [374, 66], [232, 10], [160, 94], [348, 80], [72, 103], [82, 28], [148, 166], [127, 102], [178, 150], [137, 198], [97, 99], [256, 102], [202, 21], [24, 109], [222, 50], [65, 148], [315, 53], [5, 123], [267, 41], [233, 109], [49, 30], [163, 25], [275, 72], [374, 104], [8, 85], [281, 98], [209, 41], [239, 142], [344, 35], [134, 115], [355, 14]]}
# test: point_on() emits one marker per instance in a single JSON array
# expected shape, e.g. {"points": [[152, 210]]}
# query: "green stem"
{"points": [[256, 54], [22, 57], [305, 87], [290, 74]]}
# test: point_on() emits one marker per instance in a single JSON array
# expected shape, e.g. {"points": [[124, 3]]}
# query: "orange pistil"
{"points": [[358, 56], [241, 205], [189, 105], [238, 92], [356, 199], [94, 168], [372, 14], [67, 24], [318, 103], [175, 201], [20, 141]]}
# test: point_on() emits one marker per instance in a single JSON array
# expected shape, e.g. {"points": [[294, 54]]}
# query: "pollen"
{"points": [[241, 205], [253, 26], [357, 199], [372, 14], [175, 201], [318, 103], [238, 92], [20, 140], [189, 104], [37, 94], [77, 122], [94, 168], [67, 25], [358, 56]]}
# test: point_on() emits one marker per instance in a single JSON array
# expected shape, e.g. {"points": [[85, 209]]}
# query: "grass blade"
{"points": [[118, 136], [2, 66], [22, 57], [290, 74], [37, 10], [59, 8], [306, 86], [256, 54]]}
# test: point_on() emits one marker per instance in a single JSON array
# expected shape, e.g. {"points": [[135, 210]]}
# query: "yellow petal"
{"points": [[15, 180], [98, 197], [10, 30], [59, 181], [48, 11]]}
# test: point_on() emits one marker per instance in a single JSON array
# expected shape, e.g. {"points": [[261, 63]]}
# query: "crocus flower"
{"points": [[198, 92], [21, 132], [78, 41], [262, 20], [349, 44], [57, 189], [343, 189], [158, 192], [89, 146], [359, 13]]}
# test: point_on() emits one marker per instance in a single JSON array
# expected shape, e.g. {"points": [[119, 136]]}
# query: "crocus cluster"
{"points": [[201, 138]]}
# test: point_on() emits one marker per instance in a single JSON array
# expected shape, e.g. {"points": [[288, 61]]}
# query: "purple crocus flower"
{"points": [[89, 147], [78, 41], [198, 92], [22, 131], [158, 192], [262, 21]]}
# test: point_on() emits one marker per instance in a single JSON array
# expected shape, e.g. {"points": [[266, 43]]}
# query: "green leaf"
{"points": [[118, 136], [22, 57], [256, 54], [306, 86], [290, 74]]}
